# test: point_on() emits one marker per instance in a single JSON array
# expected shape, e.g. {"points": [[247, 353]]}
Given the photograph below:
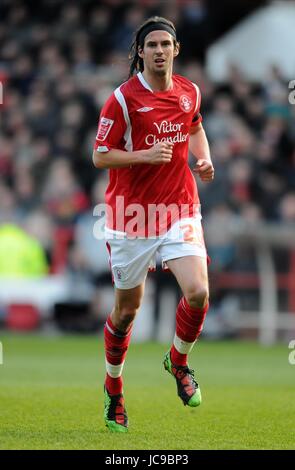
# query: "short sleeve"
{"points": [[197, 117], [111, 126]]}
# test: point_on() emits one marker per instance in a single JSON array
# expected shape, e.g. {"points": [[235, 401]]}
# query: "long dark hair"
{"points": [[136, 62]]}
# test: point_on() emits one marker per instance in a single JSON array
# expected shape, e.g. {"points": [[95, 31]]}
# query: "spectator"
{"points": [[21, 256], [62, 194]]}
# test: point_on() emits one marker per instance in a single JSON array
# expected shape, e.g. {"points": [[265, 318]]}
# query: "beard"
{"points": [[160, 73]]}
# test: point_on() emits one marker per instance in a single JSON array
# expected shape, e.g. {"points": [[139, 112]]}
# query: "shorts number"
{"points": [[189, 233]]}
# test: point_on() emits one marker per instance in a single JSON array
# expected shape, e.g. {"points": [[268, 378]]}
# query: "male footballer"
{"points": [[145, 131]]}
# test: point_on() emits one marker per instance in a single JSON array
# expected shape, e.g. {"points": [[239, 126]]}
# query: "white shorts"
{"points": [[131, 259]]}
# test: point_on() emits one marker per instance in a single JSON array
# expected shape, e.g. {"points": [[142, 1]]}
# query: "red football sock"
{"points": [[189, 324], [114, 385], [116, 346]]}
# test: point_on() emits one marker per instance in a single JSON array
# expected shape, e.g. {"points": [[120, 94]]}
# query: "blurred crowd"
{"points": [[58, 65]]}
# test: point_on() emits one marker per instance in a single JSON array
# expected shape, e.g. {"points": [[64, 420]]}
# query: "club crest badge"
{"points": [[119, 274], [185, 103]]}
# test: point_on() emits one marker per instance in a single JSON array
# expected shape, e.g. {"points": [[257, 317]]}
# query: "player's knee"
{"points": [[197, 296], [125, 316]]}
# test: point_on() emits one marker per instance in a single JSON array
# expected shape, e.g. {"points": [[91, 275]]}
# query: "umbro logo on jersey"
{"points": [[145, 109]]}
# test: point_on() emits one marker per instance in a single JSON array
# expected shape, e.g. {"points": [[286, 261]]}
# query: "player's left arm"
{"points": [[198, 145]]}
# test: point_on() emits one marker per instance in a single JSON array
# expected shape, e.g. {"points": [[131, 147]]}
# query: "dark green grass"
{"points": [[51, 397]]}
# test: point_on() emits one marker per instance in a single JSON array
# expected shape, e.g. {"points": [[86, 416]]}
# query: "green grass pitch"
{"points": [[51, 397]]}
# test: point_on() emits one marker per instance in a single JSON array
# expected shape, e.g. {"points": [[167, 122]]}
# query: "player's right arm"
{"points": [[159, 154], [108, 151]]}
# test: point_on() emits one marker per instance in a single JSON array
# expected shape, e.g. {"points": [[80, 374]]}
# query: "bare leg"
{"points": [[127, 303], [192, 276]]}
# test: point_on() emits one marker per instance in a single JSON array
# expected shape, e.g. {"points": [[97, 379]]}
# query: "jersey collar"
{"points": [[144, 82], [146, 85]]}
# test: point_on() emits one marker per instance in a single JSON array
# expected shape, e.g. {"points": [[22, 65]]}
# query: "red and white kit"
{"points": [[136, 118]]}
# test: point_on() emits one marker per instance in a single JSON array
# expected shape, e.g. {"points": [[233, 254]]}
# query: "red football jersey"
{"points": [[135, 118]]}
